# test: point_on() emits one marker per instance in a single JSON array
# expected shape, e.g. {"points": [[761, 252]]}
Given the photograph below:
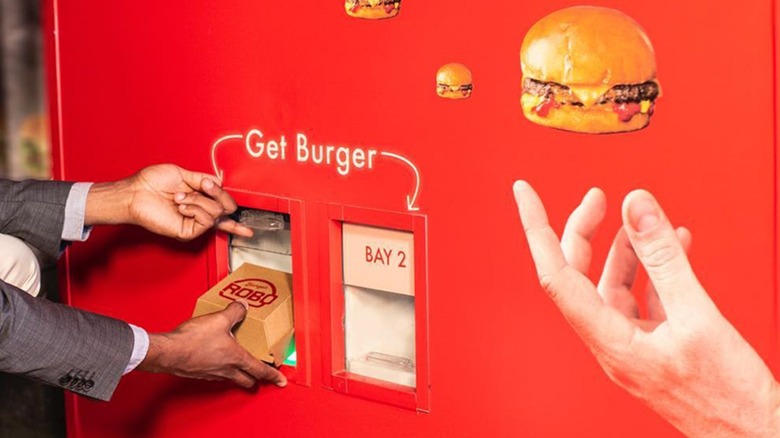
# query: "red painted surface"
{"points": [[136, 83]]}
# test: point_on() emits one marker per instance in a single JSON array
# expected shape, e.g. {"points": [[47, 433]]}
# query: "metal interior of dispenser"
{"points": [[269, 246], [379, 329]]}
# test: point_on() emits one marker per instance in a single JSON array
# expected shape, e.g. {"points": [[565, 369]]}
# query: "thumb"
{"points": [[662, 254], [196, 180], [236, 312]]}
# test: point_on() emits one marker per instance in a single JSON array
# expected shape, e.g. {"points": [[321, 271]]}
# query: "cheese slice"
{"points": [[531, 100], [644, 106], [589, 95]]}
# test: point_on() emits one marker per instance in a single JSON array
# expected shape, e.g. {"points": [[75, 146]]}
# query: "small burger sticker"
{"points": [[372, 9], [453, 81], [588, 69]]}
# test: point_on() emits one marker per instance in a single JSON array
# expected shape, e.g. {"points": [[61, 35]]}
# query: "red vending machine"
{"points": [[387, 173]]}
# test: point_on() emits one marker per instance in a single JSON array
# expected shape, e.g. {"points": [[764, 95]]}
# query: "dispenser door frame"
{"points": [[335, 374], [219, 267]]}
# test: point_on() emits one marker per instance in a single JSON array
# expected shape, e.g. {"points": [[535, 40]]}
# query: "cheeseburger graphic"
{"points": [[453, 81], [372, 9], [588, 69]]}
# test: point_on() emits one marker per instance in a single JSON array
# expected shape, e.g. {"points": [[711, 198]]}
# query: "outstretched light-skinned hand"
{"points": [[683, 359]]}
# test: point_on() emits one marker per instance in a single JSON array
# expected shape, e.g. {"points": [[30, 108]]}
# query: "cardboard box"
{"points": [[268, 328]]}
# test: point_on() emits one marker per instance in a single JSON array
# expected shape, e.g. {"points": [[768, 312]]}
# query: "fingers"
{"points": [[580, 228], [210, 185], [215, 211], [208, 213], [263, 372], [619, 275], [204, 347], [655, 310], [661, 253], [241, 379], [251, 368], [235, 312], [233, 227], [210, 206], [251, 371], [571, 291], [620, 269], [211, 198], [202, 221], [542, 241]]}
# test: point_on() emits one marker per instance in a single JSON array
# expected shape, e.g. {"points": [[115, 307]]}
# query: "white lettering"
{"points": [[273, 149], [283, 142], [255, 153], [359, 158], [301, 150], [343, 158], [314, 156], [330, 152]]}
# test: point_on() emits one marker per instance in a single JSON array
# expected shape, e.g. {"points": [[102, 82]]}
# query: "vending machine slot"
{"points": [[376, 306], [270, 247]]}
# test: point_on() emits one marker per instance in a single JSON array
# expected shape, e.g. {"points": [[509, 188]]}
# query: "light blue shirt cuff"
{"points": [[73, 229], [140, 348]]}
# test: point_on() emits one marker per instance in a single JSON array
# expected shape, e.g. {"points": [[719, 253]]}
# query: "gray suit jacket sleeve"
{"points": [[53, 343], [34, 211], [59, 345]]}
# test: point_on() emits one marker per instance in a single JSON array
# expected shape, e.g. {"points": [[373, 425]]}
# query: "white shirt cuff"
{"points": [[140, 348], [73, 229]]}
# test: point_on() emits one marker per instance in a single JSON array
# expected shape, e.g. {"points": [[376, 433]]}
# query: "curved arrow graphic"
{"points": [[218, 172], [410, 200]]}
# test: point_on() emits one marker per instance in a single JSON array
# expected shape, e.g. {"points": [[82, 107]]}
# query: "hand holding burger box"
{"points": [[268, 328]]}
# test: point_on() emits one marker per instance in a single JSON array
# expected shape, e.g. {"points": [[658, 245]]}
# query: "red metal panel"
{"points": [[149, 81], [776, 94]]}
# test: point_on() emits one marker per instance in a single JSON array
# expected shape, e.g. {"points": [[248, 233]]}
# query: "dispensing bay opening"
{"points": [[269, 247], [379, 303], [379, 330], [374, 320]]}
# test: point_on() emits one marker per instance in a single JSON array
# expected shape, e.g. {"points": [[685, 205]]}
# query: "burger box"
{"points": [[267, 330]]}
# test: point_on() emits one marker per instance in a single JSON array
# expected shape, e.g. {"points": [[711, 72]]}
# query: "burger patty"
{"points": [[623, 93], [541, 89], [631, 93]]}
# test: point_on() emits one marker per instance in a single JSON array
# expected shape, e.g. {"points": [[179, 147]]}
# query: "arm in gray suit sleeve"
{"points": [[59, 345], [34, 211]]}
